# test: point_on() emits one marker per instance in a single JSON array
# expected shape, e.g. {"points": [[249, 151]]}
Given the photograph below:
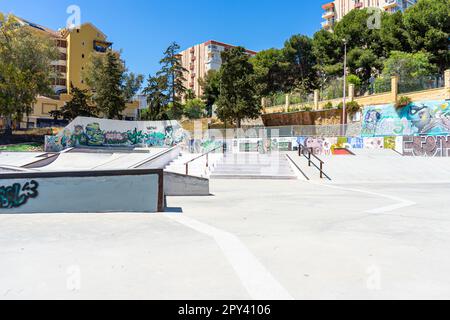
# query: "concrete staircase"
{"points": [[198, 167], [254, 166]]}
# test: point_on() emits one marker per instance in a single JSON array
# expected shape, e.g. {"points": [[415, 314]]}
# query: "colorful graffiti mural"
{"points": [[91, 132], [327, 145], [418, 118], [430, 146], [17, 195]]}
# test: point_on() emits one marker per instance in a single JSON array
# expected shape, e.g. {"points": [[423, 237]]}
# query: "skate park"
{"points": [[257, 216]]}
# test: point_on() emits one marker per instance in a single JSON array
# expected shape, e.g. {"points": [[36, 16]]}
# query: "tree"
{"points": [[194, 109], [238, 98], [211, 89], [301, 74], [25, 69], [271, 70], [112, 87], [364, 46], [393, 33], [157, 99], [77, 107], [173, 72], [408, 65], [428, 29]]}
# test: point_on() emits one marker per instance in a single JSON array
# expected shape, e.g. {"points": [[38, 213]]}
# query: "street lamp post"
{"points": [[344, 107]]}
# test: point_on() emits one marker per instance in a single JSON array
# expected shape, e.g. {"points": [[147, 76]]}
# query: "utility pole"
{"points": [[344, 107]]}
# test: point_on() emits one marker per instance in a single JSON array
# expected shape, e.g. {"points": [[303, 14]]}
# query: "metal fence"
{"points": [[349, 130], [333, 90], [411, 84]]}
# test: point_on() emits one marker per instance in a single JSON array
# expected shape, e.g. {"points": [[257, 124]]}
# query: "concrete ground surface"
{"points": [[249, 240]]}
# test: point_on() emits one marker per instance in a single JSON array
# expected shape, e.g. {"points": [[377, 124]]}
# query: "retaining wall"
{"points": [[82, 192]]}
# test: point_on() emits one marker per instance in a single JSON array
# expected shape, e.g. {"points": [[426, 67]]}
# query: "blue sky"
{"points": [[144, 28]]}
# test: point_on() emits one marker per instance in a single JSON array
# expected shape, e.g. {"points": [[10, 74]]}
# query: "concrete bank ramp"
{"points": [[97, 161], [386, 166], [20, 159]]}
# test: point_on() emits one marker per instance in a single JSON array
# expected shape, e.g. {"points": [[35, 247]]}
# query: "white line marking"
{"points": [[256, 279], [402, 203]]}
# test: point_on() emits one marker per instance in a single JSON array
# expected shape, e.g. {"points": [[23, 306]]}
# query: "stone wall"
{"points": [[303, 118]]}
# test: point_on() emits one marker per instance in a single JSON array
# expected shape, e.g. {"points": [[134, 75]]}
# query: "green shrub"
{"points": [[194, 109], [403, 102]]}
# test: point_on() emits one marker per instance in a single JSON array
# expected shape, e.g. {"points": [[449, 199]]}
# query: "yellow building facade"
{"points": [[75, 47]]}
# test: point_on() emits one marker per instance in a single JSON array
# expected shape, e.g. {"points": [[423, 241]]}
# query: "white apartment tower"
{"points": [[201, 58], [337, 9]]}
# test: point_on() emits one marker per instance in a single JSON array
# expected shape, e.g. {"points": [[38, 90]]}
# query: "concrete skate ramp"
{"points": [[82, 192], [99, 161], [19, 159], [386, 166]]}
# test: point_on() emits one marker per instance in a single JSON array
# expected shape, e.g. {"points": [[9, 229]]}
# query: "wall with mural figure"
{"points": [[418, 118], [326, 146], [91, 132], [426, 146]]}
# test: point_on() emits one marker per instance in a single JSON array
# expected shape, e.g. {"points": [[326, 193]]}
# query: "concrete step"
{"points": [[253, 177], [247, 166]]}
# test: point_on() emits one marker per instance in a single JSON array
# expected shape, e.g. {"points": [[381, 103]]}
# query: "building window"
{"points": [[82, 56]]}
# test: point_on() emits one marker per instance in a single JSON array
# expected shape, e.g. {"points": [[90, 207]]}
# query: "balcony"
{"points": [[327, 6], [328, 15], [359, 5], [327, 24], [102, 46]]}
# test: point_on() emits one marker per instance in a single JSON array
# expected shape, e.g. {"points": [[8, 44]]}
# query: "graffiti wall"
{"points": [[429, 146], [418, 118], [92, 132], [266, 145], [327, 145]]}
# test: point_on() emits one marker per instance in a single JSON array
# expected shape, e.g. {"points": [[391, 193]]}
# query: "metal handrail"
{"points": [[199, 157], [301, 152]]}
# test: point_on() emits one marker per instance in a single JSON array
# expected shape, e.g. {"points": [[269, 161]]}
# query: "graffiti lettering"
{"points": [[430, 146], [17, 195]]}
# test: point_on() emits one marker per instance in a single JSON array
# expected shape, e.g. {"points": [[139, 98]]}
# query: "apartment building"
{"points": [[75, 46], [200, 59], [336, 10]]}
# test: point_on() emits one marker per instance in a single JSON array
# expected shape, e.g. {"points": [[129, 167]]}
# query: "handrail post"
{"points": [[187, 168], [321, 170], [309, 159], [207, 160]]}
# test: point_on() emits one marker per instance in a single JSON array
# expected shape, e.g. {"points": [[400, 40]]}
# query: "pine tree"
{"points": [[238, 98], [111, 85], [77, 107], [173, 72]]}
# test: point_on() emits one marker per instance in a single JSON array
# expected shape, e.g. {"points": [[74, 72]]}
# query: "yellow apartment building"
{"points": [[75, 47]]}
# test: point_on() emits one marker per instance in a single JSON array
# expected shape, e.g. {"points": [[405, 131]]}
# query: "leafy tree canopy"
{"points": [[25, 69]]}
